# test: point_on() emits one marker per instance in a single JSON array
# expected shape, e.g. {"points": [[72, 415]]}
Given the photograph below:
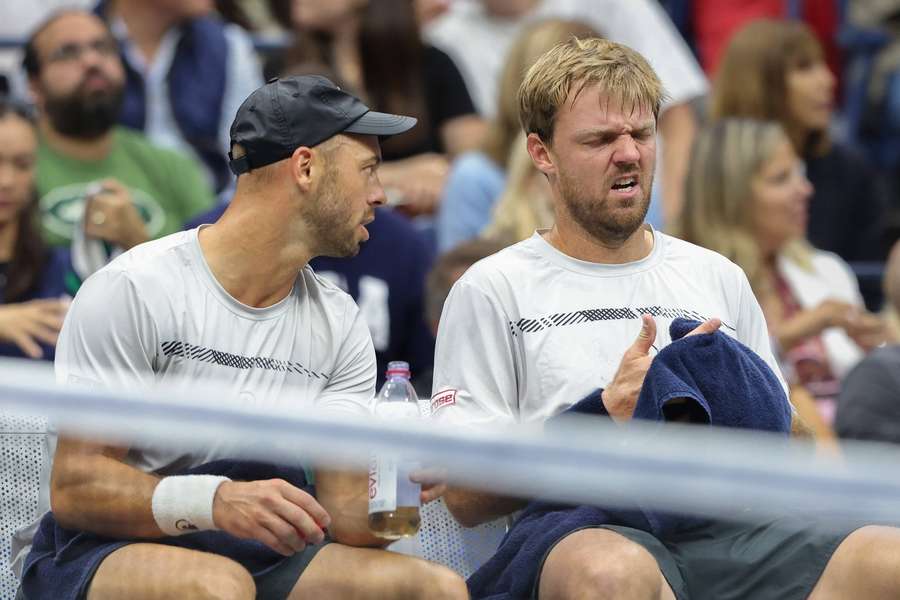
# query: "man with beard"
{"points": [[234, 302], [573, 315], [123, 188]]}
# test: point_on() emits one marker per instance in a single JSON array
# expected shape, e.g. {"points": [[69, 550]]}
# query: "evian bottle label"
{"points": [[382, 484]]}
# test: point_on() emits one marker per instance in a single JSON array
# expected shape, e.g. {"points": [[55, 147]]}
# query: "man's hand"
{"points": [[433, 481], [273, 512], [110, 215], [621, 395], [27, 324]]}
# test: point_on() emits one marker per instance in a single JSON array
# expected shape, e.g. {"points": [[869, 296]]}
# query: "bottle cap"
{"points": [[398, 368]]}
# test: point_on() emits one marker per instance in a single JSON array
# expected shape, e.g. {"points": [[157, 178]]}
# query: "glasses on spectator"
{"points": [[105, 47]]}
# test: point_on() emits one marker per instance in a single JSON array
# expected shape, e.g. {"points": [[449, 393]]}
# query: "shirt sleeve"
{"points": [[473, 186], [475, 374], [752, 330], [108, 339], [352, 385], [452, 97], [644, 26]]}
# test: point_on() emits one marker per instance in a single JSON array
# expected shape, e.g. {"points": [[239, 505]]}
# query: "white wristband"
{"points": [[184, 503]]}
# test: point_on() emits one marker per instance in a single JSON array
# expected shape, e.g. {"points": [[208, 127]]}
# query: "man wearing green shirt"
{"points": [[126, 189]]}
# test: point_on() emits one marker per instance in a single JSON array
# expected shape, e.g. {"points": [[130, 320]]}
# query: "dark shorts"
{"points": [[63, 562], [721, 560]]}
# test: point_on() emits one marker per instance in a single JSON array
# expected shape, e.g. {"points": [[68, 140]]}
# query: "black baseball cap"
{"points": [[301, 110]]}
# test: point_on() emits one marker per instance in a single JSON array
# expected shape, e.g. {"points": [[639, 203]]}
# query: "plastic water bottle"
{"points": [[393, 499]]}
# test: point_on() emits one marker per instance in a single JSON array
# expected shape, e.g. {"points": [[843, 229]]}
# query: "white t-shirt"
{"points": [[530, 331], [478, 43], [157, 314]]}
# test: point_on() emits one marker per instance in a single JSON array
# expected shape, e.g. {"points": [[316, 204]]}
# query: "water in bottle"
{"points": [[394, 499]]}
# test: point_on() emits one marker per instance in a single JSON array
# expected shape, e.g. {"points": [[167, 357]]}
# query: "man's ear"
{"points": [[302, 167], [540, 154]]}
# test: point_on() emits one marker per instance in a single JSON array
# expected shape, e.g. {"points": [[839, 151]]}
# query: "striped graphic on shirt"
{"points": [[590, 315], [235, 361]]}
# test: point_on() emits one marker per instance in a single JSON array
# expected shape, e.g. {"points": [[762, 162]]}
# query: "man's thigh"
{"points": [[608, 562], [865, 565], [347, 573], [156, 572]]}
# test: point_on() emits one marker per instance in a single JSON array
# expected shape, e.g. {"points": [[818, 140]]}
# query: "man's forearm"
{"points": [[94, 491], [344, 494], [474, 507]]}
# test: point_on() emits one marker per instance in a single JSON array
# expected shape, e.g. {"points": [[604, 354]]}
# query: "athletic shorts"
{"points": [[722, 560]]}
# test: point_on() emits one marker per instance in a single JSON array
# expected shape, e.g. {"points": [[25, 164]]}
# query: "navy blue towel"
{"points": [[705, 379], [62, 561]]}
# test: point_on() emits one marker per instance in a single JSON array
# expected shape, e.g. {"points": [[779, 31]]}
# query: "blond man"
{"points": [[577, 312]]}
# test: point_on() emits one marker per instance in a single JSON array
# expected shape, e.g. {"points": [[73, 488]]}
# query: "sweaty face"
{"points": [[346, 197], [81, 81], [18, 155], [604, 154]]}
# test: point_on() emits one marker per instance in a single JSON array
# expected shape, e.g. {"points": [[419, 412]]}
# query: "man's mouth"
{"points": [[625, 184]]}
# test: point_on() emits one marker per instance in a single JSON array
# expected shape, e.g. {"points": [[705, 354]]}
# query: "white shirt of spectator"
{"points": [[529, 331], [478, 43]]}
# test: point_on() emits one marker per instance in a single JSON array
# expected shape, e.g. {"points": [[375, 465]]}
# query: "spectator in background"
{"points": [[32, 305], [17, 19], [374, 48], [526, 204], [447, 269], [387, 281], [477, 178], [775, 70], [137, 191], [746, 198], [477, 35], [869, 404], [186, 74]]}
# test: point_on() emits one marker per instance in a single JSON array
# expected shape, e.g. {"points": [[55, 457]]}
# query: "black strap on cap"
{"points": [[239, 165]]}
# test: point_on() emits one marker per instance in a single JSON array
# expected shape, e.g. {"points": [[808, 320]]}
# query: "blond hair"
{"points": [[569, 67], [751, 81], [531, 43], [523, 207], [726, 157]]}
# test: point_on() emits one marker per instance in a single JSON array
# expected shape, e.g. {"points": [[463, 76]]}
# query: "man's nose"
{"points": [[626, 150], [377, 197]]}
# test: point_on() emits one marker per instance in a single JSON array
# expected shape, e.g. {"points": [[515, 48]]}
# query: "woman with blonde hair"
{"points": [[477, 179], [526, 204], [776, 71], [746, 197]]}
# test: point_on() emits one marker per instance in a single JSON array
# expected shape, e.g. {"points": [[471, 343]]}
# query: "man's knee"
{"points": [[439, 582], [615, 575], [599, 564], [227, 580]]}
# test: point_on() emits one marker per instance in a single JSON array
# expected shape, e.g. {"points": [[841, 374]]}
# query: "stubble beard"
{"points": [[595, 218], [329, 222]]}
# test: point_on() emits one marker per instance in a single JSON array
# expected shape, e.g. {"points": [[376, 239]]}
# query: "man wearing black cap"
{"points": [[234, 302]]}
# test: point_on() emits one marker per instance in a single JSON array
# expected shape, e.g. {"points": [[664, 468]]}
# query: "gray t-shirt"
{"points": [[157, 314], [869, 405]]}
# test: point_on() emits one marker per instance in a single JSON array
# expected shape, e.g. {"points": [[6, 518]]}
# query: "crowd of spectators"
{"points": [[114, 131]]}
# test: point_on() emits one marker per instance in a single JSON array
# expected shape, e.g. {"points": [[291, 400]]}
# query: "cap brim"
{"points": [[381, 124]]}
